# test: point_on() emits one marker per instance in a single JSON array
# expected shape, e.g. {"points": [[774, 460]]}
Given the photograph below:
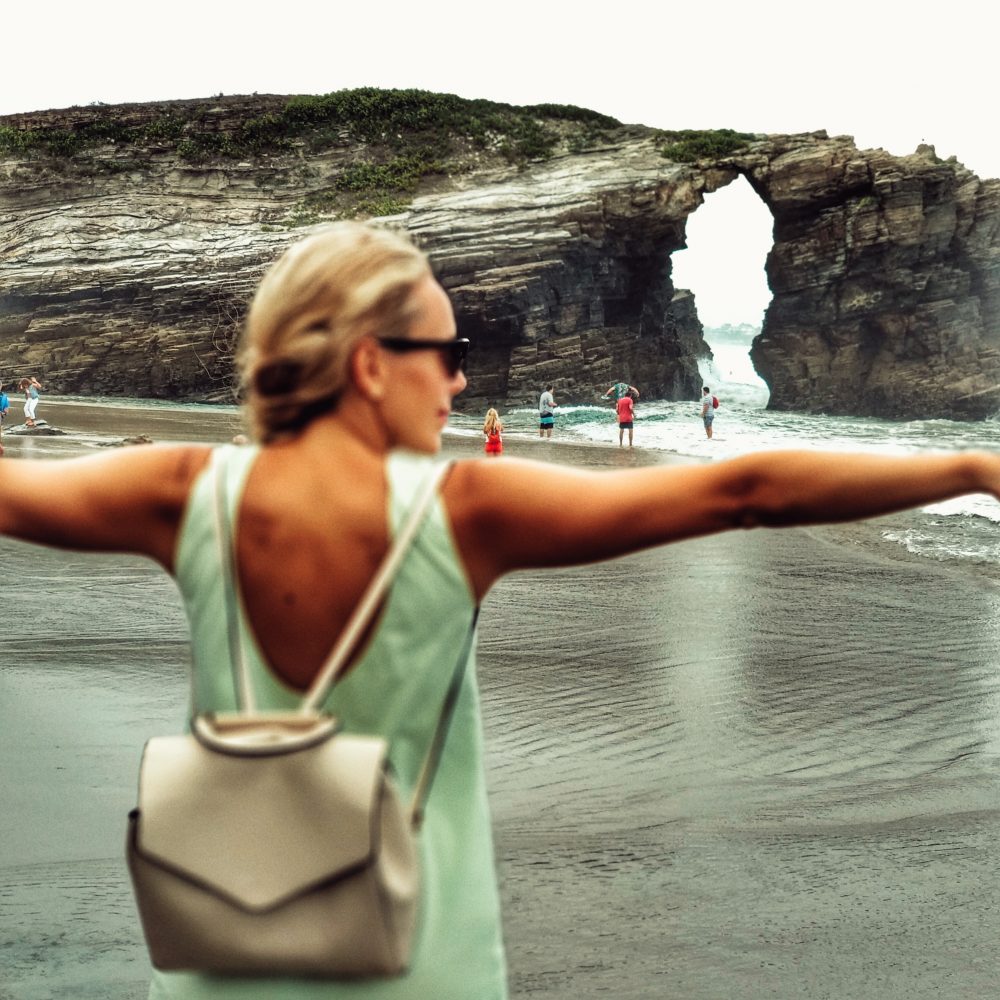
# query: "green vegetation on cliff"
{"points": [[387, 140], [689, 146]]}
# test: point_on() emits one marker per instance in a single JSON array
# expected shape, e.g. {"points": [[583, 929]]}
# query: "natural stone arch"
{"points": [[885, 276], [564, 277], [885, 271], [727, 241]]}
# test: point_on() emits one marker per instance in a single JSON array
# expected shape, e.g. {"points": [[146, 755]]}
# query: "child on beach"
{"points": [[493, 429], [30, 387]]}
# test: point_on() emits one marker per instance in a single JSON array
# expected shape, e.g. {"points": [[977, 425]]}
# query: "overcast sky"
{"points": [[891, 74]]}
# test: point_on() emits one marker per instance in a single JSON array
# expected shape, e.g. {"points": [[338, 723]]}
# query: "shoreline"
{"points": [[93, 425]]}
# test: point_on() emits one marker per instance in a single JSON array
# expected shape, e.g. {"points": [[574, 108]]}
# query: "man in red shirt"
{"points": [[625, 407]]}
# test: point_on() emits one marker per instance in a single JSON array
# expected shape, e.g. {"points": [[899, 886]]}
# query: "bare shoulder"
{"points": [[488, 492], [160, 470], [485, 481]]}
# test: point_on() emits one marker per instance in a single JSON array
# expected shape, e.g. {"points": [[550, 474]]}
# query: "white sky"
{"points": [[889, 73]]}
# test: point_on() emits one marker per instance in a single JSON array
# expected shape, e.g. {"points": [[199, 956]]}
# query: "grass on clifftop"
{"points": [[406, 120], [689, 146], [400, 137]]}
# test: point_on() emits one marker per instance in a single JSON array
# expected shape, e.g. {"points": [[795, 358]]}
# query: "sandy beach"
{"points": [[765, 764]]}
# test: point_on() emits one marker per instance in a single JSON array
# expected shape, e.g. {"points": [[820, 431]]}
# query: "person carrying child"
{"points": [[625, 413]]}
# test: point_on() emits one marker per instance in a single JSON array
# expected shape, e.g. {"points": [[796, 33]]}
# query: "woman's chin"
{"points": [[422, 446]]}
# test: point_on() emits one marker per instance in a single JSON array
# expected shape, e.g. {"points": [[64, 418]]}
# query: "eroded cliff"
{"points": [[129, 274]]}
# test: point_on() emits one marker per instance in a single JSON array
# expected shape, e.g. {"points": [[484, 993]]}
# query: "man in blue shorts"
{"points": [[707, 409], [546, 412]]}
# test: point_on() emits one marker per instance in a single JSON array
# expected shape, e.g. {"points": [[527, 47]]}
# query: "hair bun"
{"points": [[277, 378]]}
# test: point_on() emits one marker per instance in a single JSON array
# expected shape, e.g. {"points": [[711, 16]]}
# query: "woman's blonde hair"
{"points": [[492, 421], [321, 297]]}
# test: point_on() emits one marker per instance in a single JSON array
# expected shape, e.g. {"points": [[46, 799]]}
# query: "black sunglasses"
{"points": [[453, 352]]}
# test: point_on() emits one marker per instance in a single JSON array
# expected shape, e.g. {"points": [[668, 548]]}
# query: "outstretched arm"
{"points": [[130, 500], [526, 514]]}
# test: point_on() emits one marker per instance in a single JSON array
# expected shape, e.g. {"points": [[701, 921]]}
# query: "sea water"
{"points": [[963, 529]]}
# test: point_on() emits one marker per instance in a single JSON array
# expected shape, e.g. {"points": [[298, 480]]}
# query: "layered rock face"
{"points": [[885, 270], [132, 281], [135, 282], [885, 273], [557, 281]]}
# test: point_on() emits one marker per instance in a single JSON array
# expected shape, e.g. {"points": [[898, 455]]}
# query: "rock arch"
{"points": [[885, 277], [885, 273]]}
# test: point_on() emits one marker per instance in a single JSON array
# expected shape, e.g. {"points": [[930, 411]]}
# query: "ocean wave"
{"points": [[930, 545], [980, 505]]}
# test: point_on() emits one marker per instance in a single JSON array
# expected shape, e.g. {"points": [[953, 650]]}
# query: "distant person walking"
{"points": [[625, 408], [4, 410], [709, 404], [546, 412], [620, 389], [30, 387], [493, 429]]}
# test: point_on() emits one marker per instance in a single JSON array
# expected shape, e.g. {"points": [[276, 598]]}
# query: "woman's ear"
{"points": [[368, 370]]}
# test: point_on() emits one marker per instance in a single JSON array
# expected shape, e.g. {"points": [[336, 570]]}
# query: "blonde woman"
{"points": [[493, 430], [350, 364]]}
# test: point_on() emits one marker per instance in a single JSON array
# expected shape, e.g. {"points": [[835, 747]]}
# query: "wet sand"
{"points": [[765, 764]]}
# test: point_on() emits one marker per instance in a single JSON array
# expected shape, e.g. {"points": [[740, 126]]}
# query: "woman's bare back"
{"points": [[308, 541]]}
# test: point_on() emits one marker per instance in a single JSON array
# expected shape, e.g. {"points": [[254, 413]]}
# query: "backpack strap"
{"points": [[370, 600]]}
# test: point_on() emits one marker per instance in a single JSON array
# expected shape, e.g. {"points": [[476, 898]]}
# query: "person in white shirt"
{"points": [[546, 412]]}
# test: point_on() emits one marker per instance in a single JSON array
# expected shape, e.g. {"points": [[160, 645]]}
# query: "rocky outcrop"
{"points": [[561, 275], [885, 274], [885, 270]]}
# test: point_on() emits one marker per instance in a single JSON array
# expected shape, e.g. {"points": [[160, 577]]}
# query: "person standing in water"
{"points": [[620, 389], [707, 409], [546, 412], [625, 409]]}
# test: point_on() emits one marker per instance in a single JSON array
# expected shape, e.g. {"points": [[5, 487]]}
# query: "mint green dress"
{"points": [[396, 689]]}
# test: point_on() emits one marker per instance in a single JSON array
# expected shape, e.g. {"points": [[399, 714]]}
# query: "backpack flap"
{"points": [[262, 829]]}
